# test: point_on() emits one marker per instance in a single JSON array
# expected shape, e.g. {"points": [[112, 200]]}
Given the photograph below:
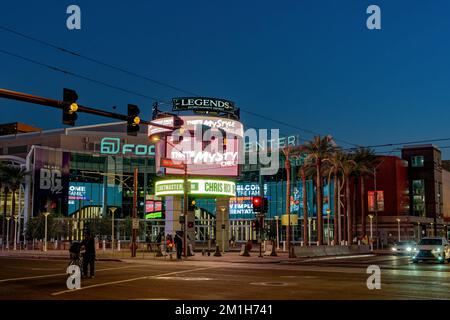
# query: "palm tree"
{"points": [[318, 149], [348, 166], [13, 177], [3, 183], [334, 162], [303, 173], [365, 160]]}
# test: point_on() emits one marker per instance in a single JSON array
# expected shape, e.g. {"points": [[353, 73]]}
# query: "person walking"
{"points": [[179, 245], [88, 244]]}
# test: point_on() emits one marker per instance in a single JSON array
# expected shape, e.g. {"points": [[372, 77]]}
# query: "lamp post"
{"points": [[7, 231], [113, 209], [398, 228], [278, 241], [223, 208], [45, 232], [15, 231], [371, 232], [328, 225]]}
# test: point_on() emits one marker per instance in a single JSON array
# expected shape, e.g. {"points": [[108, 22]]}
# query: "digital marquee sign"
{"points": [[199, 146], [204, 105], [201, 187]]}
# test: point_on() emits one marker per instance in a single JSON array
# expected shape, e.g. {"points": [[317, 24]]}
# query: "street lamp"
{"points": [[45, 232], [113, 209], [7, 231], [398, 228], [15, 231], [371, 232], [328, 225], [223, 208]]}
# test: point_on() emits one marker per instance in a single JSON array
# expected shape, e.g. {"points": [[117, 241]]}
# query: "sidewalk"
{"points": [[125, 256]]}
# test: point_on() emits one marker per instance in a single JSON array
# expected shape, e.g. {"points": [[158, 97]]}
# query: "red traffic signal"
{"points": [[257, 204], [260, 204]]}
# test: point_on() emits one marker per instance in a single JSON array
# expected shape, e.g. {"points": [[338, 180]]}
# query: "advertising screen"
{"points": [[203, 146], [82, 194]]}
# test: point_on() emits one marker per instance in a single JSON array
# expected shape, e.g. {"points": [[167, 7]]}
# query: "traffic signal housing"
{"points": [[133, 120], [260, 204], [70, 106]]}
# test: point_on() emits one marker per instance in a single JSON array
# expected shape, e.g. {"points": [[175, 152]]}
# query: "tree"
{"points": [[348, 166], [364, 163], [3, 184], [13, 177], [318, 149], [334, 162]]}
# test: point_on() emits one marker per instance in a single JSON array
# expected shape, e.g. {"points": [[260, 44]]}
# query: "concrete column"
{"points": [[173, 212], [222, 219]]}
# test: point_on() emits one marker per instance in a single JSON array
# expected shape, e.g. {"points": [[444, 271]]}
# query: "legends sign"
{"points": [[203, 105]]}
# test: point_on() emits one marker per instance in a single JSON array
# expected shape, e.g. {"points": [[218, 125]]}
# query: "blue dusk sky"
{"points": [[311, 64]]}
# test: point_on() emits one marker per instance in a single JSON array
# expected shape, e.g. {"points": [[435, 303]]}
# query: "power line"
{"points": [[77, 54], [53, 68]]}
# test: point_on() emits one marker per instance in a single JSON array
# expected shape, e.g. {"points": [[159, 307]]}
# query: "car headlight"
{"points": [[438, 249], [394, 249], [415, 249], [409, 249]]}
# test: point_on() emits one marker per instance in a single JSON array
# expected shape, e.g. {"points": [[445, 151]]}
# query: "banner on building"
{"points": [[51, 181], [371, 201]]}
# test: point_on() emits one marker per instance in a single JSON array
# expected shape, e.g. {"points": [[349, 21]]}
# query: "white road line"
{"points": [[129, 280], [339, 257], [59, 274]]}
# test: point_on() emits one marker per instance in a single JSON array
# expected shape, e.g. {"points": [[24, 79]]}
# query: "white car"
{"points": [[432, 249], [404, 247]]}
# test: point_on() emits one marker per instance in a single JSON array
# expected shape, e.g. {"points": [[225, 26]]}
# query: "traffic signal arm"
{"points": [[25, 97]]}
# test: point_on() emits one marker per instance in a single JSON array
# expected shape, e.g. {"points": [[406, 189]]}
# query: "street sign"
{"points": [[135, 223], [168, 163], [293, 219]]}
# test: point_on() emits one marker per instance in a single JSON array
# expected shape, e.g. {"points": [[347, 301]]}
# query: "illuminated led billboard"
{"points": [[201, 187], [209, 146]]}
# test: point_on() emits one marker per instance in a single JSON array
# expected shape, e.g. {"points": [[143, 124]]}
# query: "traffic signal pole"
{"points": [[185, 208], [134, 231], [29, 98]]}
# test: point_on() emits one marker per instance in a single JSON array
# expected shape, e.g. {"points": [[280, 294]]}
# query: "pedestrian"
{"points": [[169, 244], [179, 245], [89, 255], [158, 241], [148, 240]]}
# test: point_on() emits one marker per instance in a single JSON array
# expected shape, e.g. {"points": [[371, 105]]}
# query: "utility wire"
{"points": [[78, 75], [77, 54]]}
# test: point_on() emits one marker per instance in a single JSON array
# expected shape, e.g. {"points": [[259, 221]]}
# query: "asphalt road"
{"points": [[149, 280]]}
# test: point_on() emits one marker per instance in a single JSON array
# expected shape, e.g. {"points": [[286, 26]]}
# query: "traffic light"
{"points": [[260, 204], [70, 107], [255, 224], [133, 120], [191, 205]]}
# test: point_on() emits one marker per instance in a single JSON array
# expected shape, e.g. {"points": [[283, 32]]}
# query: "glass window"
{"points": [[417, 161], [418, 187]]}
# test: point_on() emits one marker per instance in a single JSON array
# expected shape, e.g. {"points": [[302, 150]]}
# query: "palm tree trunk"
{"points": [[13, 212], [305, 208], [344, 216], [363, 207], [349, 211], [319, 201], [4, 213], [335, 207], [354, 229]]}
